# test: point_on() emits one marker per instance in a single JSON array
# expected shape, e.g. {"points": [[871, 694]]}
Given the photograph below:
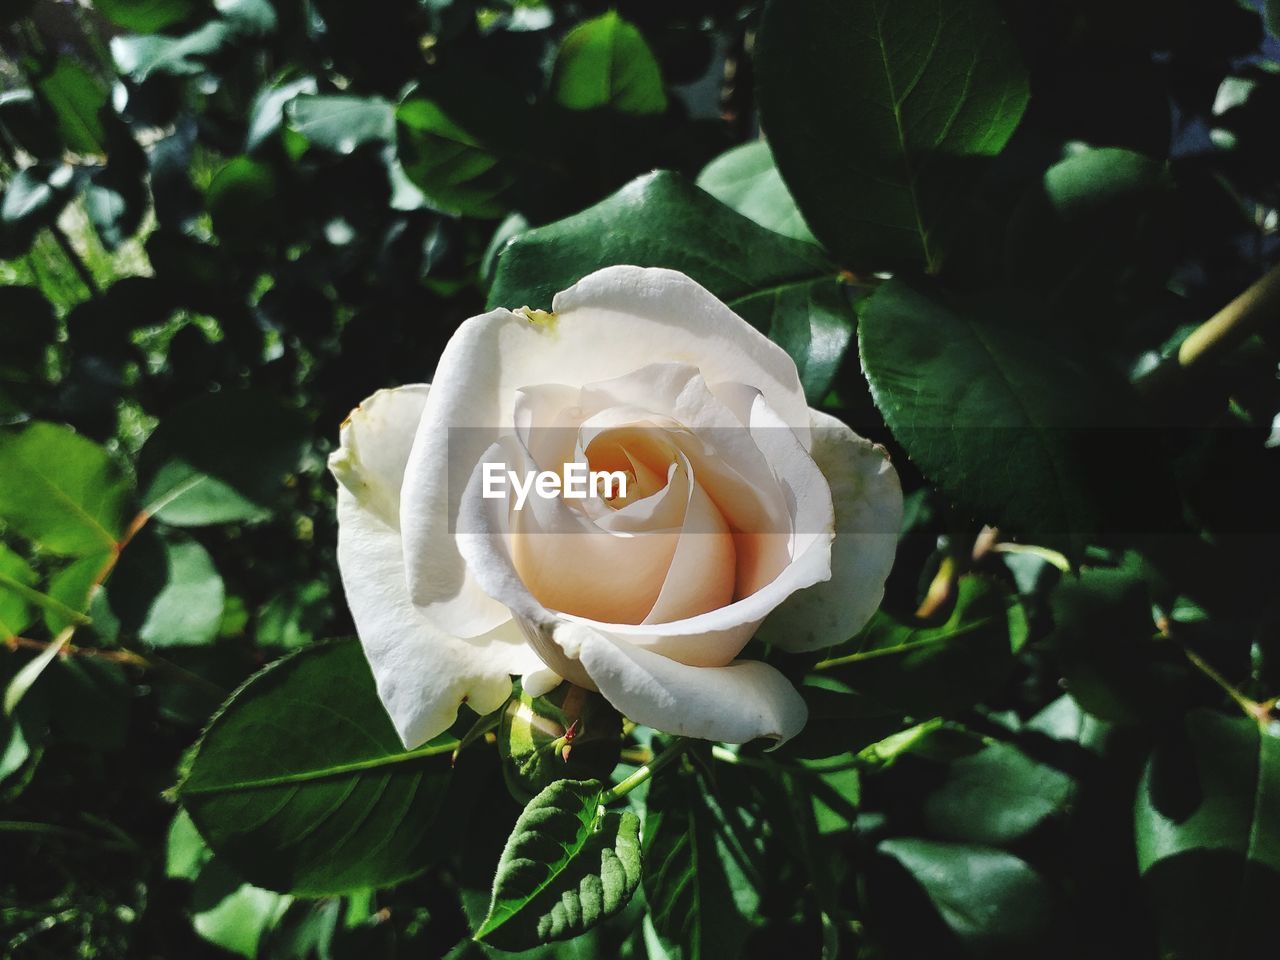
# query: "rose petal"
{"points": [[538, 683], [735, 703], [373, 447], [677, 321], [592, 337], [422, 674], [868, 515]]}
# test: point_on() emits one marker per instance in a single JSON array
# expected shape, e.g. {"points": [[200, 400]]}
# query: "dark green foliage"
{"points": [[301, 783], [981, 228]]}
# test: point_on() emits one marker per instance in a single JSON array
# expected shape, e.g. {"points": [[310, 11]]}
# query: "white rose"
{"points": [[745, 505]]}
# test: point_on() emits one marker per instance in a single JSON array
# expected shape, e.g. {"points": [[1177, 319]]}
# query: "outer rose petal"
{"points": [[422, 675], [734, 704], [593, 336], [373, 447], [868, 505]]}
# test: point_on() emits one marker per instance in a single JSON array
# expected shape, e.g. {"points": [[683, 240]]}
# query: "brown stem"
{"points": [[1255, 309]]}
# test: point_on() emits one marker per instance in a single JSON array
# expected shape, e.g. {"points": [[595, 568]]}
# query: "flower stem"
{"points": [[625, 786]]}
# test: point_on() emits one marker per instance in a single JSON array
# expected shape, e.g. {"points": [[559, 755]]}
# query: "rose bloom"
{"points": [[747, 514]]}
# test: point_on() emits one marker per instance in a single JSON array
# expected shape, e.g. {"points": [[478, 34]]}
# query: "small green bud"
{"points": [[570, 733]]}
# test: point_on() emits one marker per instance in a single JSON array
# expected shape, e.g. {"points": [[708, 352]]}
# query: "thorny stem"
{"points": [[625, 786]]}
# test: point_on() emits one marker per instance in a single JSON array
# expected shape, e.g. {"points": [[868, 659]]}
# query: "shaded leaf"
{"points": [[1105, 641], [989, 901], [976, 791], [456, 171], [1208, 836], [301, 784], [925, 670], [876, 109], [966, 382], [687, 870], [220, 458], [1100, 220]]}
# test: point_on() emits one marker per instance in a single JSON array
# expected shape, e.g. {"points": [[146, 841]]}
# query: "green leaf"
{"points": [[747, 180], [1208, 835], [75, 98], [146, 16], [605, 63], [567, 865], [238, 194], [1105, 644], [926, 670], [61, 490], [167, 591], [989, 901], [877, 111], [658, 220], [1100, 220], [812, 320], [231, 914], [689, 870], [71, 591], [220, 458], [302, 785], [185, 849], [454, 168], [15, 603], [182, 56], [341, 124], [967, 382], [973, 791], [785, 288]]}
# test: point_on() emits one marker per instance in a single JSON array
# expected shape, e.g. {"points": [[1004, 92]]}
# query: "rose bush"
{"points": [[747, 514]]}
